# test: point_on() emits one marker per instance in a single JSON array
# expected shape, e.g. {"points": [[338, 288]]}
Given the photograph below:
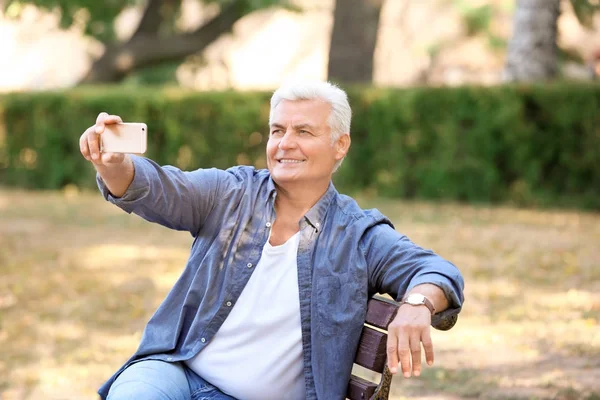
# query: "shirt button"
{"points": [[203, 340], [249, 265], [228, 304], [268, 224], [317, 224]]}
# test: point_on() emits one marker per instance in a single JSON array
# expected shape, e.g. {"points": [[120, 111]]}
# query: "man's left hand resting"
{"points": [[410, 328]]}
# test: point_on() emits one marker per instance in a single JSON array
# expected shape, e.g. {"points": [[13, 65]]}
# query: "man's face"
{"points": [[299, 147]]}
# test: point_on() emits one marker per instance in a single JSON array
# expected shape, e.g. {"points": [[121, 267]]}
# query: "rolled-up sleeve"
{"points": [[396, 265], [168, 196]]}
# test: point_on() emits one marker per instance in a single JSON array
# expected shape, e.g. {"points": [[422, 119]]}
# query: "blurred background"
{"points": [[476, 129], [199, 44]]}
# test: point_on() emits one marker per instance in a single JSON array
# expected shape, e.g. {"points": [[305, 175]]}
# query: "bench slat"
{"points": [[381, 312], [360, 389], [371, 352]]}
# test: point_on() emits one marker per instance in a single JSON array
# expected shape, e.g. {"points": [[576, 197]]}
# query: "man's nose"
{"points": [[287, 141]]}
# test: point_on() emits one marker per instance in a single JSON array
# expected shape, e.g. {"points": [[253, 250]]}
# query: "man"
{"points": [[273, 298]]}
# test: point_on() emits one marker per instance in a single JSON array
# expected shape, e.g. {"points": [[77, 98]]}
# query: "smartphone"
{"points": [[127, 137]]}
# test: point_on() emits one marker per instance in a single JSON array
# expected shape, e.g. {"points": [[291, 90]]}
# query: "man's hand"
{"points": [[406, 332], [115, 169], [89, 142]]}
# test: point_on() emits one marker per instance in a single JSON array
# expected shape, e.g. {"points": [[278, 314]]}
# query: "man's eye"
{"points": [[276, 132], [304, 132]]}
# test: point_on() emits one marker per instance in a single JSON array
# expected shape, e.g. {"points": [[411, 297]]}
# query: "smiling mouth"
{"points": [[289, 161]]}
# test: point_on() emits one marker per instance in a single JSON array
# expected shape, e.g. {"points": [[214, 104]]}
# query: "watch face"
{"points": [[415, 299]]}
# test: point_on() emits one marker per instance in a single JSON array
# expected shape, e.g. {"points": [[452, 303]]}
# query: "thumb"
{"points": [[112, 158]]}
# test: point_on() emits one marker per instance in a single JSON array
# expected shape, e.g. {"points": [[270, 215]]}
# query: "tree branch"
{"points": [[149, 49], [151, 20]]}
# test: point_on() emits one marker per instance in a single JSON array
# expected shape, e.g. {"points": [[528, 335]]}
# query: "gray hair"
{"points": [[341, 113]]}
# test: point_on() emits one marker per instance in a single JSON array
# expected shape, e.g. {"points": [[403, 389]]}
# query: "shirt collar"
{"points": [[271, 189], [316, 215]]}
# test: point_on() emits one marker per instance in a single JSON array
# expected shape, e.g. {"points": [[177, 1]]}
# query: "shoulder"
{"points": [[245, 180], [347, 208], [245, 172], [368, 227], [245, 176]]}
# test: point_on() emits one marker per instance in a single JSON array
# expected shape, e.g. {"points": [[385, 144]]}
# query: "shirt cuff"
{"points": [[446, 319], [137, 190]]}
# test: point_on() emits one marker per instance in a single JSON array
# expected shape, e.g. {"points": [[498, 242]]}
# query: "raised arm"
{"points": [[165, 195]]}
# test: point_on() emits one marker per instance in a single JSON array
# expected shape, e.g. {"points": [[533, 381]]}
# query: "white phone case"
{"points": [[127, 137]]}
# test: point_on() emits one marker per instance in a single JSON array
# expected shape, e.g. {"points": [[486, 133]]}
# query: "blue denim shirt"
{"points": [[345, 255]]}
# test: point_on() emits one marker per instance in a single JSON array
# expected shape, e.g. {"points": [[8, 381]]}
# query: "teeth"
{"points": [[290, 161]]}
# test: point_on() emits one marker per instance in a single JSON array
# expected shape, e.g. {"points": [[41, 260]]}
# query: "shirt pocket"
{"points": [[339, 306]]}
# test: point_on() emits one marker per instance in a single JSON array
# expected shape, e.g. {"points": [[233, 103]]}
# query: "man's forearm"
{"points": [[117, 178], [434, 293]]}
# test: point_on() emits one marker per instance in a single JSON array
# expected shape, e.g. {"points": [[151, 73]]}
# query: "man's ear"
{"points": [[342, 145]]}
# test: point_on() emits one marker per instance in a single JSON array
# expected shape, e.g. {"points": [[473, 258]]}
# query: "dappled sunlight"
{"points": [[572, 299], [112, 344], [165, 281], [4, 201], [52, 381], [112, 255], [479, 343], [26, 227], [161, 265], [531, 381], [78, 287], [69, 358], [64, 330]]}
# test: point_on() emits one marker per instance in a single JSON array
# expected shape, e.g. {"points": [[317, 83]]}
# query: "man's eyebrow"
{"points": [[302, 126], [296, 127]]}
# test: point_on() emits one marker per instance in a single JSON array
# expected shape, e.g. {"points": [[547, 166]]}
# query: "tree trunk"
{"points": [[353, 40], [146, 48], [532, 51]]}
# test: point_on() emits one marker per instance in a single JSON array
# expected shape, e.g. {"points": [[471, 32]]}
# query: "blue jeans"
{"points": [[159, 380]]}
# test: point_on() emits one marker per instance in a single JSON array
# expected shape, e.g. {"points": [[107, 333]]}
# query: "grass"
{"points": [[79, 279]]}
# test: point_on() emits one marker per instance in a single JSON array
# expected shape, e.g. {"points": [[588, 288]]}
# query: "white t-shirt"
{"points": [[257, 352]]}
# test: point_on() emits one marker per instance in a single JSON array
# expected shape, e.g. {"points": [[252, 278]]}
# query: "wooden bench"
{"points": [[371, 352]]}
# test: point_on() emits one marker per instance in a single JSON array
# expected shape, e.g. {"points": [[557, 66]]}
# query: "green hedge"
{"points": [[530, 145]]}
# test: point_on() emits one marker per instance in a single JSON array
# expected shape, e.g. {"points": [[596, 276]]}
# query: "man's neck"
{"points": [[297, 199]]}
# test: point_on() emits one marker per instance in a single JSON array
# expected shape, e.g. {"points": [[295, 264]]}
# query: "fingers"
{"points": [[405, 335], [404, 353], [415, 351], [398, 351], [409, 353], [392, 351], [428, 346], [106, 119], [89, 142], [93, 142], [84, 143]]}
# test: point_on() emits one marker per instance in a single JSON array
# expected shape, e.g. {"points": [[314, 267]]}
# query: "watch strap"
{"points": [[426, 302]]}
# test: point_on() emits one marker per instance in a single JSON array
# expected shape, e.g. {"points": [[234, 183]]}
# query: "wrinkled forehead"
{"points": [[314, 112]]}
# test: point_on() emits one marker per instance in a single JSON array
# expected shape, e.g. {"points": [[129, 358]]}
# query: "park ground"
{"points": [[79, 278]]}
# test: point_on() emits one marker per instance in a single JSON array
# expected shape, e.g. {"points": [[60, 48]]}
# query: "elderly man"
{"points": [[273, 297]]}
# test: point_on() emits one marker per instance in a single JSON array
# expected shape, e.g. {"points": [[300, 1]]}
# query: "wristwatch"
{"points": [[417, 299]]}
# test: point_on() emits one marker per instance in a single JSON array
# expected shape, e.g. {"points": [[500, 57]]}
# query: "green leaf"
{"points": [[585, 10], [477, 19]]}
